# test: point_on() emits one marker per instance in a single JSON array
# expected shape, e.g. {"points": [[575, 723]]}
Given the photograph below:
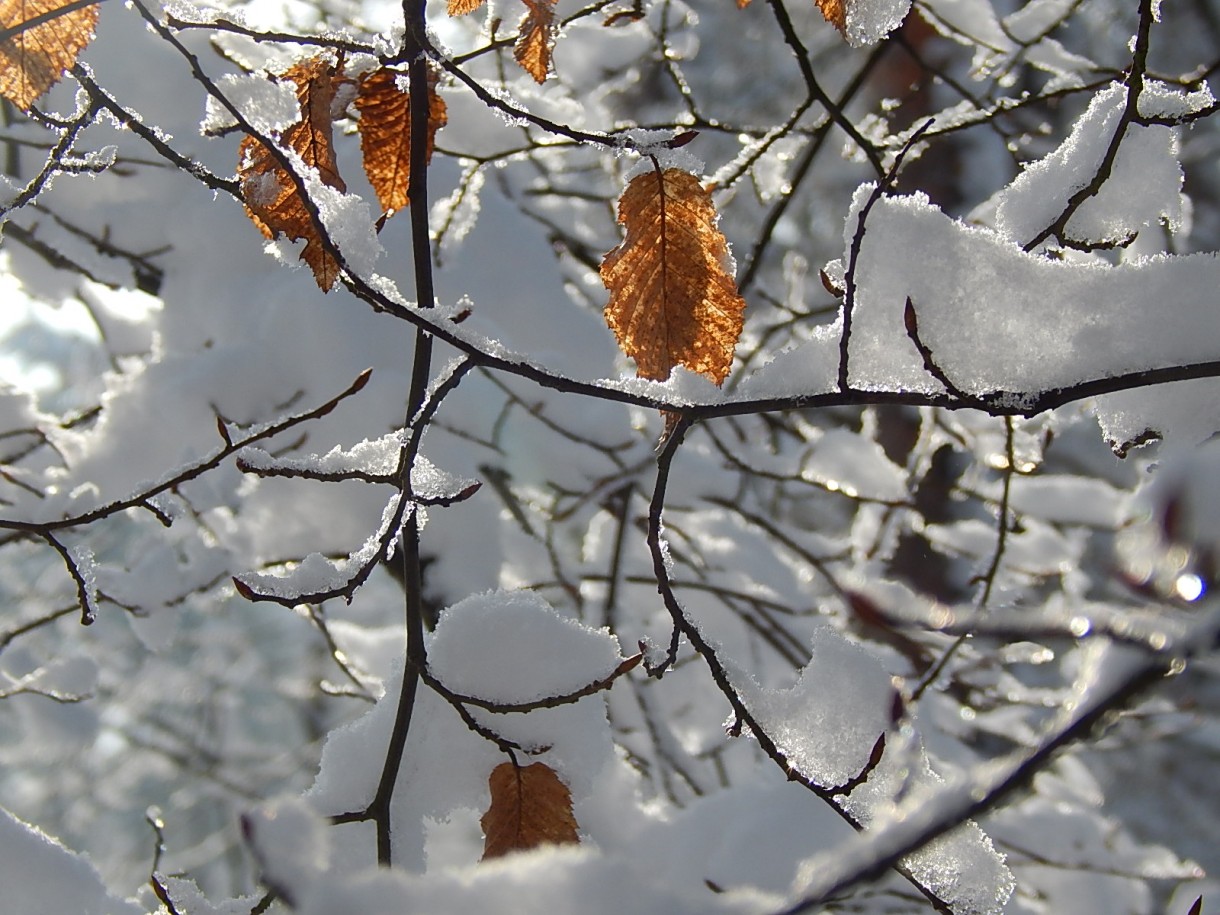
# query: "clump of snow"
{"points": [[1164, 101], [41, 875], [270, 106], [291, 844], [868, 21], [652, 145], [827, 725], [349, 222], [810, 367], [1185, 412], [189, 898], [996, 319], [512, 646], [826, 730], [317, 574], [1144, 186], [376, 457]]}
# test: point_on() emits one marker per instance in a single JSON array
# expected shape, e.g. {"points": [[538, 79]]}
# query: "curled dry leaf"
{"points": [[34, 57], [385, 133], [672, 300], [272, 198], [537, 39], [835, 12], [530, 806]]}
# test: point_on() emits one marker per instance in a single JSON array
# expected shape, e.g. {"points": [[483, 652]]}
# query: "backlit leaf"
{"points": [[34, 59], [462, 7], [385, 133], [530, 806], [272, 199], [835, 12], [672, 300], [537, 38]]}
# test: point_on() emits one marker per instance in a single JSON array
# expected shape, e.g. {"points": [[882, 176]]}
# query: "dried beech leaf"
{"points": [[672, 302], [835, 12], [462, 7], [34, 59], [530, 806], [272, 199], [385, 133], [537, 39]]}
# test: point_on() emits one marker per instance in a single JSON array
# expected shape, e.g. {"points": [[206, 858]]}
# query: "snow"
{"points": [[800, 719], [291, 844], [487, 646], [1164, 101], [827, 734], [318, 575], [807, 368], [40, 875], [986, 308], [1144, 187], [376, 457], [868, 21], [269, 106]]}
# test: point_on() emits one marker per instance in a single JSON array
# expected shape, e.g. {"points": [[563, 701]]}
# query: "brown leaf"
{"points": [[462, 7], [835, 12], [272, 199], [385, 133], [530, 806], [672, 302], [35, 58], [537, 39]]}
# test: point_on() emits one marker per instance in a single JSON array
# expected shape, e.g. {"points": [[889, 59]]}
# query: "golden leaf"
{"points": [[272, 199], [536, 40], [672, 302], [462, 7], [835, 12], [34, 59], [385, 133], [530, 806]]}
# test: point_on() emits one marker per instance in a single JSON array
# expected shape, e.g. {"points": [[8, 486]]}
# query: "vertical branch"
{"points": [[836, 114], [993, 568], [414, 42]]}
